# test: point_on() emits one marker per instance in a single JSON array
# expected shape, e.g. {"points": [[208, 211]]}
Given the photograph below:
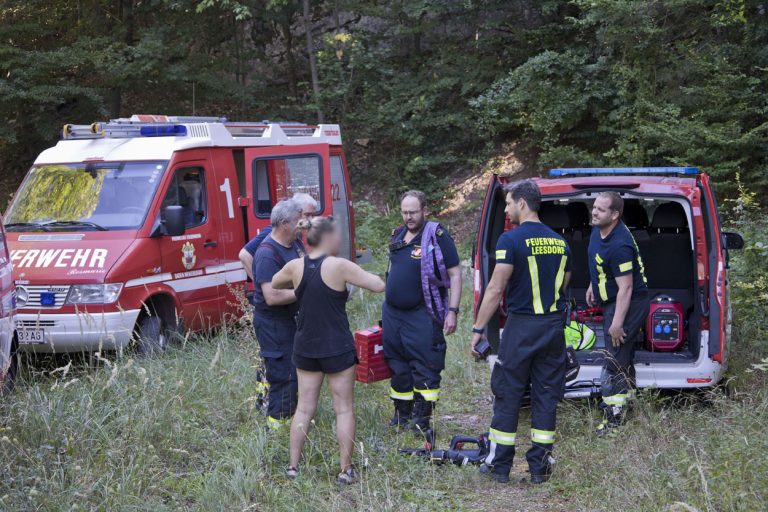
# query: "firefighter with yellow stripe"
{"points": [[617, 281], [533, 264]]}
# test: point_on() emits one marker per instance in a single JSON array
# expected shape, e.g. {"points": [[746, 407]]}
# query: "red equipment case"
{"points": [[372, 366], [665, 328]]}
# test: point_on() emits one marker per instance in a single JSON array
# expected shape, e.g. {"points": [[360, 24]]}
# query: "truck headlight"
{"points": [[94, 293]]}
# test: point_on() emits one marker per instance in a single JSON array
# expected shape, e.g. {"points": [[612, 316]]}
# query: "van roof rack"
{"points": [[624, 171], [144, 125]]}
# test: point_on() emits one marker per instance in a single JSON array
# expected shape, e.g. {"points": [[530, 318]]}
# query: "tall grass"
{"points": [[182, 432]]}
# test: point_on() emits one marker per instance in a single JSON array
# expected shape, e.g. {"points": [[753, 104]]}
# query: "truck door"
{"points": [[492, 225], [193, 257], [342, 204], [278, 172]]}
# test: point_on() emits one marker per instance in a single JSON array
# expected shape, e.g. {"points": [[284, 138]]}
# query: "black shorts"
{"points": [[333, 364]]}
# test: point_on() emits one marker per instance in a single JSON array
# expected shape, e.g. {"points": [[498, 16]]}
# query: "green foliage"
{"points": [[644, 83]]}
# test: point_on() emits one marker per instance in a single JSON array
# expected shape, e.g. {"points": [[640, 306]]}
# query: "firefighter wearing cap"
{"points": [[533, 263], [617, 280], [414, 342]]}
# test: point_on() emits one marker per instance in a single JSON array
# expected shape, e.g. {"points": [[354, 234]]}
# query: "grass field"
{"points": [[182, 432]]}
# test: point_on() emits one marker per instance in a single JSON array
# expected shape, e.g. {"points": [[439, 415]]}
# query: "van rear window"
{"points": [[276, 179]]}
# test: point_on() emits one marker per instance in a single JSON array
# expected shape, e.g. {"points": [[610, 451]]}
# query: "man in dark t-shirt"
{"points": [[534, 264], [274, 310], [617, 281], [414, 341]]}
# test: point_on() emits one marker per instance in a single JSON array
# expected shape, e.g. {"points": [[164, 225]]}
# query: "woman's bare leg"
{"points": [[309, 391], [342, 386]]}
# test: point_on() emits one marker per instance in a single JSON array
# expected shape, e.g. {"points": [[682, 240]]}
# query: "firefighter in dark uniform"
{"points": [[274, 311], [617, 281], [414, 342], [533, 263]]}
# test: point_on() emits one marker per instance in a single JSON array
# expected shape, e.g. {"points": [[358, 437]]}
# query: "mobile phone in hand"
{"points": [[483, 348]]}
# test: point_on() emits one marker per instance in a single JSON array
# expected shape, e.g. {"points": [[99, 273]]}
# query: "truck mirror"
{"points": [[733, 240], [174, 220]]}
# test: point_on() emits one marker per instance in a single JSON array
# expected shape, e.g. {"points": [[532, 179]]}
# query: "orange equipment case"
{"points": [[372, 366]]}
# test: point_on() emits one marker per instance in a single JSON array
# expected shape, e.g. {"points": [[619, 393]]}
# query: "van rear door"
{"points": [[718, 299], [492, 225], [275, 173]]}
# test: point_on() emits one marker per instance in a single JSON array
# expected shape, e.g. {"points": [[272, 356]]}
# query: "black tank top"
{"points": [[322, 323]]}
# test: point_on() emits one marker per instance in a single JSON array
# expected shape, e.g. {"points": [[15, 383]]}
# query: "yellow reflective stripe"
{"points": [[533, 268], [501, 254], [430, 395], [620, 399], [262, 386], [601, 279], [639, 256], [499, 437], [542, 436], [275, 423], [408, 395], [625, 267], [559, 282]]}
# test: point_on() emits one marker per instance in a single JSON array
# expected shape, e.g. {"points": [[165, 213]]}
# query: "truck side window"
{"points": [[275, 179], [187, 189]]}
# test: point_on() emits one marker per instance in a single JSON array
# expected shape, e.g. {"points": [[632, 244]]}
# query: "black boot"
{"points": [[613, 418], [402, 415], [422, 419]]}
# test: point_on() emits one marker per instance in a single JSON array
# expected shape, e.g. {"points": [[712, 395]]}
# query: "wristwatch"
{"points": [[478, 330], [455, 310]]}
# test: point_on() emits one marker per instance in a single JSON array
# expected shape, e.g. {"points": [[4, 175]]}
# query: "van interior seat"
{"points": [[580, 225], [668, 258], [556, 217]]}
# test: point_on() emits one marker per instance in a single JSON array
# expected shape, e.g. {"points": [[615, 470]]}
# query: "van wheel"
{"points": [[151, 335], [13, 370]]}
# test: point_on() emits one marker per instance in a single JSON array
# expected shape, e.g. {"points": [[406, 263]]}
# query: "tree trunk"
{"points": [[286, 27], [125, 12], [312, 62]]}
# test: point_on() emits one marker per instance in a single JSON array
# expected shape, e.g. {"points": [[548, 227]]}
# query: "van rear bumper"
{"points": [[76, 332]]}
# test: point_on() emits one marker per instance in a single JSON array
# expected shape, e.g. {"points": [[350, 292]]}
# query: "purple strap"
{"points": [[435, 282]]}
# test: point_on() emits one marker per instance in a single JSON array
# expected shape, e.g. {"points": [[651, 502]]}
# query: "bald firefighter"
{"points": [[533, 264]]}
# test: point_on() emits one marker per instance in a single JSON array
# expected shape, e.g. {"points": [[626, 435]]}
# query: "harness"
{"points": [[435, 282]]}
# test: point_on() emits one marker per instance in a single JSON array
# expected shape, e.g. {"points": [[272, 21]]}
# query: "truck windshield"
{"points": [[84, 196]]}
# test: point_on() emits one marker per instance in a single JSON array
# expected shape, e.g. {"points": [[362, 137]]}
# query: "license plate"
{"points": [[31, 336]]}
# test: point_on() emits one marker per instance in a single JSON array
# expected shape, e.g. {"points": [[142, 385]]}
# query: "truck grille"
{"points": [[32, 296]]}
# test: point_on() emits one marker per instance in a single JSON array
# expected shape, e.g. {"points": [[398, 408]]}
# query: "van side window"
{"points": [[187, 189], [276, 179]]}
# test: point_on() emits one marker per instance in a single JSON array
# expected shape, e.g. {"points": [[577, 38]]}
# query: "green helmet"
{"points": [[579, 337]]}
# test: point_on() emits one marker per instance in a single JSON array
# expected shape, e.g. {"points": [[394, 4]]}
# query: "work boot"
{"points": [[613, 418], [402, 415], [487, 471], [422, 415], [543, 477]]}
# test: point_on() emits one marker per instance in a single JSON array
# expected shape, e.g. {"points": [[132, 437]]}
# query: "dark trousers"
{"points": [[275, 336], [618, 376], [532, 351], [414, 347]]}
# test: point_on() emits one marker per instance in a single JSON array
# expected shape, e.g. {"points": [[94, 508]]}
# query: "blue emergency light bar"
{"points": [[168, 130], [625, 171]]}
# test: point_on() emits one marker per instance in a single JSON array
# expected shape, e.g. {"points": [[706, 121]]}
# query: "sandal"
{"points": [[347, 477], [292, 473]]}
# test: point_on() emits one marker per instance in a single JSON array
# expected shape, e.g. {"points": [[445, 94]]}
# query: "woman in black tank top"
{"points": [[324, 344]]}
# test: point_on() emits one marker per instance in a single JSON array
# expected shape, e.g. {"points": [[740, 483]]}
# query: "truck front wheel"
{"points": [[151, 335]]}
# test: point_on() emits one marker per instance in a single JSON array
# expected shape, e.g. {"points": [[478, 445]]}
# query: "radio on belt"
{"points": [[372, 366], [665, 327]]}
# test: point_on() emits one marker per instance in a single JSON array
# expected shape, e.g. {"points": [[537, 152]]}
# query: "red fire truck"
{"points": [[131, 228], [672, 214]]}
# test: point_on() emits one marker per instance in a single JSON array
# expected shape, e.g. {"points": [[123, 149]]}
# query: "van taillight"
{"points": [[477, 280], [692, 380]]}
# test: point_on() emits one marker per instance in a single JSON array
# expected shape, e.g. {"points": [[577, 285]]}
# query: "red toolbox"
{"points": [[370, 352]]}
